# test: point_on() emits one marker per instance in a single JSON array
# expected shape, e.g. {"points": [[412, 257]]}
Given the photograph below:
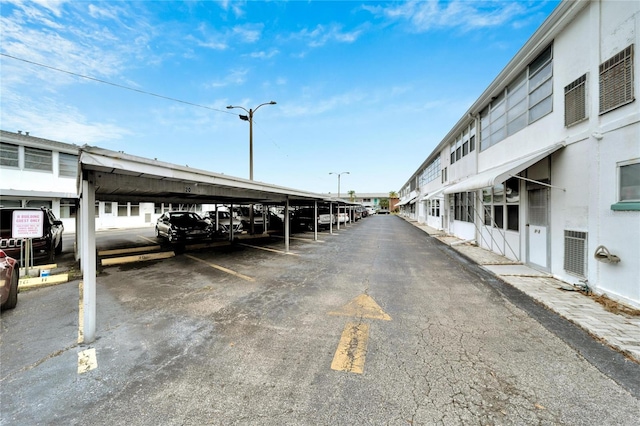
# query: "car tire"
{"points": [[59, 247], [12, 300]]}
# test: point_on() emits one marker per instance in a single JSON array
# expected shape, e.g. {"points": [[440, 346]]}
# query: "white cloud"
{"points": [[323, 34], [235, 77], [264, 54], [48, 118], [435, 14]]}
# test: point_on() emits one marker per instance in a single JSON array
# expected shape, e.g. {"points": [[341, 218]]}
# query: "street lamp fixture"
{"points": [[249, 118]]}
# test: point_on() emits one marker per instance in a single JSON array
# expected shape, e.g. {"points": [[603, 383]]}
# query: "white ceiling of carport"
{"points": [[123, 177]]}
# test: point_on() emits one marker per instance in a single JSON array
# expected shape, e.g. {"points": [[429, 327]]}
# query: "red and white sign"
{"points": [[27, 224]]}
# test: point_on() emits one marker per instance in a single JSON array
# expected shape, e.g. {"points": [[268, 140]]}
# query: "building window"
{"points": [[9, 155], [616, 80], [37, 159], [498, 216], [444, 175], [512, 190], [38, 204], [526, 99], [464, 206], [540, 86], [97, 208], [501, 198], [68, 164], [575, 101], [630, 182], [135, 209], [67, 208], [517, 104], [472, 143], [513, 217], [123, 209], [430, 173], [108, 207]]}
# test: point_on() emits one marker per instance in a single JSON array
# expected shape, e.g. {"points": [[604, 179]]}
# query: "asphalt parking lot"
{"points": [[247, 334]]}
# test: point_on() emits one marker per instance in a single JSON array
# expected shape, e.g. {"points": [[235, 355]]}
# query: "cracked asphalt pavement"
{"points": [[180, 342]]}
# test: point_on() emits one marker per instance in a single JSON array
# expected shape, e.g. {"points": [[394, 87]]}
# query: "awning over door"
{"points": [[434, 194], [501, 173], [409, 200]]}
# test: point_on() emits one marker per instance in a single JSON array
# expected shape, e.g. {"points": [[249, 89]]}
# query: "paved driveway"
{"points": [[379, 324]]}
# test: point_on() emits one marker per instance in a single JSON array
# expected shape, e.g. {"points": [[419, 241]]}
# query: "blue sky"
{"points": [[366, 87]]}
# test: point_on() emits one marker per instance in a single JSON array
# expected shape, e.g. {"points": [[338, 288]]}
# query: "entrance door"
{"points": [[538, 227]]}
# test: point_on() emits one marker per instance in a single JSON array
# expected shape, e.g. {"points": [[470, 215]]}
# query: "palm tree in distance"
{"points": [[352, 195]]}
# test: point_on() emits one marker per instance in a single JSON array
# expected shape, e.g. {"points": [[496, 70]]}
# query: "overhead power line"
{"points": [[133, 89]]}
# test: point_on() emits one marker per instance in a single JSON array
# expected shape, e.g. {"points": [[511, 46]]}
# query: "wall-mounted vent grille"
{"points": [[575, 252], [616, 80], [575, 108]]}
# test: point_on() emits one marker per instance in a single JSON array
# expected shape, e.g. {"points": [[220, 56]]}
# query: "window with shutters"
{"points": [[68, 164], [9, 155], [616, 80], [37, 159], [575, 104]]}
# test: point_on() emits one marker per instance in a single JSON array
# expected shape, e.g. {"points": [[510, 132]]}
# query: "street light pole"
{"points": [[339, 174], [249, 118]]}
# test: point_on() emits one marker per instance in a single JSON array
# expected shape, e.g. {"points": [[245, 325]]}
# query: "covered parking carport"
{"points": [[115, 176]]}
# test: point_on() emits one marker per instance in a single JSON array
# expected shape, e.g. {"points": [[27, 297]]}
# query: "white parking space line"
{"points": [[221, 268], [87, 360], [269, 249], [305, 239], [148, 239]]}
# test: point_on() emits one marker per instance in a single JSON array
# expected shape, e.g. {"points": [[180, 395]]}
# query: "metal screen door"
{"points": [[538, 227]]}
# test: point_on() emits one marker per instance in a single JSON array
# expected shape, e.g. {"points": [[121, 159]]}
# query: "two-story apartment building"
{"points": [[544, 167], [37, 172]]}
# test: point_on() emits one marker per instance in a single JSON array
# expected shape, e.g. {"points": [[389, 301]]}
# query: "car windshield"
{"points": [[184, 218]]}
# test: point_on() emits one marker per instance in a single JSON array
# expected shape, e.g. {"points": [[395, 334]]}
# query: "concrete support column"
{"points": [[286, 225], [88, 257]]}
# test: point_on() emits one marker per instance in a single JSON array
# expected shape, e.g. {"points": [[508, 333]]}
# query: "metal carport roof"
{"points": [[116, 176]]}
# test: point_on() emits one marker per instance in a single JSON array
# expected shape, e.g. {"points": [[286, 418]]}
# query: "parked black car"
{"points": [[180, 226], [44, 248]]}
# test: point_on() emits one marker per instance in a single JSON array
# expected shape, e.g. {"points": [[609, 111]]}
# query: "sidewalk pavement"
{"points": [[619, 331]]}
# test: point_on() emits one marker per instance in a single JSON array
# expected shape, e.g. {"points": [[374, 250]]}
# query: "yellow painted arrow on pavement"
{"points": [[352, 348], [362, 306]]}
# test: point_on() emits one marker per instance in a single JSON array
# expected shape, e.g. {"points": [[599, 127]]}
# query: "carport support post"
{"points": [[331, 220], [286, 225], [88, 259], [315, 226], [231, 223]]}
